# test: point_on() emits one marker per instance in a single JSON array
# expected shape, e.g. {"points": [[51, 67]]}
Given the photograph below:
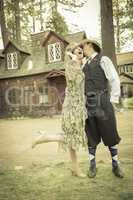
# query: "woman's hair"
{"points": [[70, 48]]}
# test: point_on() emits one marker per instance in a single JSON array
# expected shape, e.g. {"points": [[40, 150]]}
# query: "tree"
{"points": [[119, 15], [12, 15], [72, 3], [3, 23], [21, 17], [129, 16], [17, 21], [107, 30], [56, 21], [123, 24], [41, 15]]}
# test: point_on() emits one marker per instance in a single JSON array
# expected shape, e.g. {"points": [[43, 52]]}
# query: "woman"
{"points": [[73, 112]]}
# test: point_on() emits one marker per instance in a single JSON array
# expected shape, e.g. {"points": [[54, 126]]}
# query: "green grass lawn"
{"points": [[41, 179], [55, 182]]}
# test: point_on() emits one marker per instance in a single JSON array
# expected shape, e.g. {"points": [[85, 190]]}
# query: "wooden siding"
{"points": [[27, 96]]}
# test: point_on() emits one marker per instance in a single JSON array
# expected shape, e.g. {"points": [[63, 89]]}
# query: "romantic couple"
{"points": [[93, 87]]}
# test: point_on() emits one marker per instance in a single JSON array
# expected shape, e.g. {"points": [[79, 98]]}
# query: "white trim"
{"points": [[54, 46]]}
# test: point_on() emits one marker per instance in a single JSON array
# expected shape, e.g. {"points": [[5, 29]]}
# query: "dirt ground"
{"points": [[43, 173]]}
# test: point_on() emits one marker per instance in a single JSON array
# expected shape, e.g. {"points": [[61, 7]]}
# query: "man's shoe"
{"points": [[118, 172], [92, 172]]}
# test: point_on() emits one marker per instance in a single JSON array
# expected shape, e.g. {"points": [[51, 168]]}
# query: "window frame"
{"points": [[55, 59], [43, 94], [12, 65]]}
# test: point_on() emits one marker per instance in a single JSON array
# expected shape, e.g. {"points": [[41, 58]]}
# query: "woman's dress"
{"points": [[74, 112]]}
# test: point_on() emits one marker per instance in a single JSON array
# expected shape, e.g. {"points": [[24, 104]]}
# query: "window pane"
{"points": [[43, 96], [54, 52], [51, 52], [9, 61], [12, 60], [57, 51]]}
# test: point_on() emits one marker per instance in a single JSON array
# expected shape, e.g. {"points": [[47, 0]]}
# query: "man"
{"points": [[102, 89]]}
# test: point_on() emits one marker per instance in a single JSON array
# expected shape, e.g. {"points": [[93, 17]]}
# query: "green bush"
{"points": [[130, 102]]}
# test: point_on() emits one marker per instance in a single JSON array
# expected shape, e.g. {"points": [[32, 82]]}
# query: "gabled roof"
{"points": [[36, 62], [32, 65], [1, 55], [125, 58], [55, 34], [41, 36], [44, 36], [18, 47], [76, 37]]}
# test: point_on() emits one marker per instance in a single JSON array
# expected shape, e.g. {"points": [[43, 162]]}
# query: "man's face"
{"points": [[87, 49]]}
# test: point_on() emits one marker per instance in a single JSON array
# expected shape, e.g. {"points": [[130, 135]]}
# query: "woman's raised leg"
{"points": [[45, 138]]}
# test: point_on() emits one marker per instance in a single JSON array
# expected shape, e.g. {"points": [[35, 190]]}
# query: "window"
{"points": [[54, 52], [43, 97], [131, 68], [12, 60], [126, 69], [119, 69], [12, 96]]}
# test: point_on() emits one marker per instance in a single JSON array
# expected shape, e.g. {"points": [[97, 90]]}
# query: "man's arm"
{"points": [[113, 78]]}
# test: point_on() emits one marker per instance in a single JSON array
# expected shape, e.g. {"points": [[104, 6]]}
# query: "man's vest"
{"points": [[95, 79]]}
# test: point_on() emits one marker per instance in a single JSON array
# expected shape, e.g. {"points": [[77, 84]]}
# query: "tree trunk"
{"points": [[41, 15], [117, 27], [33, 17], [56, 5], [107, 30], [33, 24], [3, 24], [17, 21]]}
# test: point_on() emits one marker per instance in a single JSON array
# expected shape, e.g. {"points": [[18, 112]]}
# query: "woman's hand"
{"points": [[72, 56]]}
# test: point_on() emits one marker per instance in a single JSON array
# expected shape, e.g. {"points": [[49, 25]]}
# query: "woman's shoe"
{"points": [[36, 141], [78, 174], [33, 145]]}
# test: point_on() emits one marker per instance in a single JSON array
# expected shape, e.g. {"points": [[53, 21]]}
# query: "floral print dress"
{"points": [[74, 112]]}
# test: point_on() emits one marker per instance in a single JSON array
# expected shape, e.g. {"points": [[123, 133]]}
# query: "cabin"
{"points": [[32, 80], [125, 69]]}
